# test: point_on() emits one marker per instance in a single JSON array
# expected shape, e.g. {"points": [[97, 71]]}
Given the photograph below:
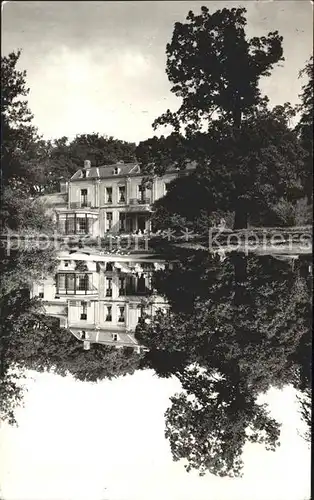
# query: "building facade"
{"points": [[109, 199], [100, 298]]}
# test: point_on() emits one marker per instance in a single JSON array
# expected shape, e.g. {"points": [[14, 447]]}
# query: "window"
{"points": [[114, 337], [61, 279], [108, 313], [108, 195], [116, 171], [41, 291], [121, 318], [83, 197], [109, 220], [70, 224], [81, 225], [76, 223], [166, 187], [83, 310], [122, 220], [82, 282], [109, 266], [70, 283], [141, 191], [121, 286], [109, 287], [121, 194]]}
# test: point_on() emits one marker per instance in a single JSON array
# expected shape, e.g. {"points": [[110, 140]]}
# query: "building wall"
{"points": [[71, 308], [96, 189], [97, 198]]}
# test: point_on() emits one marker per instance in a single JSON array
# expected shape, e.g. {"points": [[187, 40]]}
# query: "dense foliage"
{"points": [[238, 351], [64, 157], [249, 160]]}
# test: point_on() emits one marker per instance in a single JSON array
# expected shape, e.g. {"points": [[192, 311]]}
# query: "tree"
{"points": [[266, 336], [61, 158], [305, 126], [269, 160], [215, 70], [14, 305], [51, 348], [27, 251], [262, 342], [209, 423], [18, 135], [30, 340]]}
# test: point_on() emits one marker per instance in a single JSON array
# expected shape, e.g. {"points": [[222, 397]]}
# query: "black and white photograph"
{"points": [[156, 250]]}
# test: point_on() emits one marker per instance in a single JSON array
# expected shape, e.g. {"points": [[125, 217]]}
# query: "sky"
{"points": [[100, 66]]}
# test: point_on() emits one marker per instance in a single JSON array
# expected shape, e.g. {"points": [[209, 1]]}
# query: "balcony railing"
{"points": [[140, 201], [131, 290], [80, 204], [75, 284]]}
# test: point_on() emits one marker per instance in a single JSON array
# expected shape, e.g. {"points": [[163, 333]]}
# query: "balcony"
{"points": [[134, 291], [140, 201], [82, 204], [75, 284], [139, 205]]}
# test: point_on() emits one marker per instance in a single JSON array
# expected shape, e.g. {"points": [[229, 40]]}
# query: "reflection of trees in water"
{"points": [[259, 341], [31, 340]]}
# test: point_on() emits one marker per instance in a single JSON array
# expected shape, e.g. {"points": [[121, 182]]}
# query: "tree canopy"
{"points": [[247, 155], [305, 126], [215, 68], [238, 351], [18, 135], [63, 157]]}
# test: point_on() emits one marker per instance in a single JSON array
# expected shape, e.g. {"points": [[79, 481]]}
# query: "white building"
{"points": [[114, 198], [100, 298]]}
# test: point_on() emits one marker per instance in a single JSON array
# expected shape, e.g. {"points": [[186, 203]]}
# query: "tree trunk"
{"points": [[240, 222], [240, 259]]}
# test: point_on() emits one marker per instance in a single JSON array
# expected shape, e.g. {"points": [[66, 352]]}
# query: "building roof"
{"points": [[107, 171], [117, 170], [102, 336]]}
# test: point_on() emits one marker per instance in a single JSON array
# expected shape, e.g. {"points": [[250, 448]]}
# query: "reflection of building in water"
{"points": [[100, 298], [108, 199]]}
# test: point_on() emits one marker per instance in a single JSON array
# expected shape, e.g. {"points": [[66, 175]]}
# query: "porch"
{"points": [[138, 286], [75, 284], [77, 222], [134, 222]]}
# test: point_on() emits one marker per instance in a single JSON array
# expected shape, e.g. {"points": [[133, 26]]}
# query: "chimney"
{"points": [[87, 164]]}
